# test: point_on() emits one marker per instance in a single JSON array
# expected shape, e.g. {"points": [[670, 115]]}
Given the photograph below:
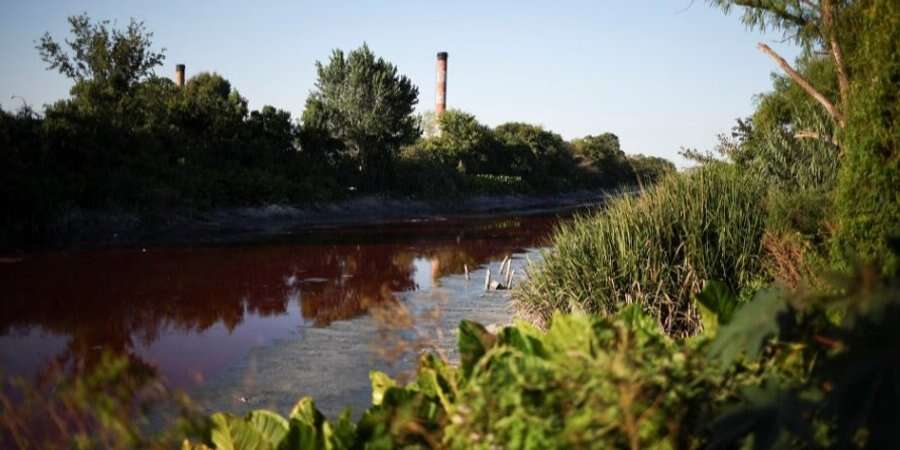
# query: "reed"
{"points": [[656, 249]]}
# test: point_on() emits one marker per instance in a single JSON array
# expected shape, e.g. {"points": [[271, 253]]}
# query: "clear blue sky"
{"points": [[659, 74]]}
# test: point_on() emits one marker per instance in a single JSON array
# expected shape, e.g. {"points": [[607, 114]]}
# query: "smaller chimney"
{"points": [[179, 75], [440, 101]]}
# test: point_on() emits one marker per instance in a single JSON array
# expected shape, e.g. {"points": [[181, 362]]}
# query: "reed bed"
{"points": [[656, 249]]}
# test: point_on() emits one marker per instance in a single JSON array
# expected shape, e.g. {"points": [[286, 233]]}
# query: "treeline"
{"points": [[128, 140]]}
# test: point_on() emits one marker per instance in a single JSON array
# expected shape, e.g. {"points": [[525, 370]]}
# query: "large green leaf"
{"points": [[717, 305], [341, 435], [750, 328], [302, 436], [305, 410], [260, 430], [474, 342], [381, 382]]}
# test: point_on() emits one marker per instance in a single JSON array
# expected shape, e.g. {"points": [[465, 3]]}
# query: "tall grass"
{"points": [[656, 249]]}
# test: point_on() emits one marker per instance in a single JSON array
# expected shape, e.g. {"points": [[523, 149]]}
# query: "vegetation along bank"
{"points": [[751, 302]]}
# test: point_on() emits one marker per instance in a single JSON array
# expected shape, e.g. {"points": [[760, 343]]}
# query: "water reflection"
{"points": [[190, 311]]}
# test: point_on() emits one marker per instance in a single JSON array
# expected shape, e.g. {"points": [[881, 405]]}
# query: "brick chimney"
{"points": [[179, 75], [440, 101]]}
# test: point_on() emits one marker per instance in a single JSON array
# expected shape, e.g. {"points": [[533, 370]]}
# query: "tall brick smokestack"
{"points": [[179, 75], [440, 100]]}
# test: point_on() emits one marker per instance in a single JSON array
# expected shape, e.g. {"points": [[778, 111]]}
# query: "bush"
{"points": [[495, 184], [656, 250], [868, 193], [422, 176]]}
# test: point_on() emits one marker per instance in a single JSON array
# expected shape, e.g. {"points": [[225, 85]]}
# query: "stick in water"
{"points": [[466, 268], [487, 279]]}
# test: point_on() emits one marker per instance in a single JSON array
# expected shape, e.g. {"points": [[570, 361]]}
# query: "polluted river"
{"points": [[258, 325]]}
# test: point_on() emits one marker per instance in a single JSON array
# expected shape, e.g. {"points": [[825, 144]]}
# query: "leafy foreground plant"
{"points": [[586, 382], [780, 371]]}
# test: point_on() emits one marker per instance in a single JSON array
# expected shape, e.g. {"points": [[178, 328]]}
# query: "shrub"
{"points": [[655, 250], [495, 184], [868, 193], [422, 175]]}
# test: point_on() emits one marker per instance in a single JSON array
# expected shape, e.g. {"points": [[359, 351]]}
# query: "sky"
{"points": [[660, 74]]}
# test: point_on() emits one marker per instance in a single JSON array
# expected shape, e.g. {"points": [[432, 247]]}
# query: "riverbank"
{"points": [[80, 228]]}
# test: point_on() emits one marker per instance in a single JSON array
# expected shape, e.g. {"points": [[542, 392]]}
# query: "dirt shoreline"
{"points": [[83, 229]]}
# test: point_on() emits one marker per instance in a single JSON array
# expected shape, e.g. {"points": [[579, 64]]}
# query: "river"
{"points": [[256, 325]]}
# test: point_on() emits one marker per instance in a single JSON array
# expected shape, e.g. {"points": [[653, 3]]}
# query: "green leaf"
{"points": [[474, 342], [260, 430], [750, 328], [381, 382], [717, 298], [305, 411], [270, 424], [342, 434], [529, 345], [302, 436]]}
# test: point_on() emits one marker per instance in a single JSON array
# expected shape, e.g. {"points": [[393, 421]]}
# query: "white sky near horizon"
{"points": [[659, 74]]}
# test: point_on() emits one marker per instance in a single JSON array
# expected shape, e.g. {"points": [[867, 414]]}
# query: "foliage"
{"points": [[115, 59], [523, 158], [127, 141], [846, 396], [102, 406], [366, 105], [539, 156], [462, 142], [656, 250], [605, 153], [649, 170], [797, 20], [867, 197], [779, 371]]}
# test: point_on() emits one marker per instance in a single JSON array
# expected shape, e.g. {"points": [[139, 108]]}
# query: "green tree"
{"points": [[860, 40], [868, 193], [818, 26], [116, 59], [605, 154], [362, 102], [542, 157], [463, 142], [650, 169]]}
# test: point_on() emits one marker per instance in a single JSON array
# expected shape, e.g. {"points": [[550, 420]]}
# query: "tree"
{"points": [[812, 24], [868, 198], [362, 101], [530, 151], [463, 142], [114, 58], [649, 169], [860, 39]]}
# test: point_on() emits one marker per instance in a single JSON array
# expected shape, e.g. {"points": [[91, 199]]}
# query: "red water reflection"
{"points": [[190, 311]]}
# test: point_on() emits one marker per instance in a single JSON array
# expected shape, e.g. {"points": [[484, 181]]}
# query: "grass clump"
{"points": [[656, 250]]}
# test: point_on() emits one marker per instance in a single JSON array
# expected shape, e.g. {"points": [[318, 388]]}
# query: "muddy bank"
{"points": [[235, 225]]}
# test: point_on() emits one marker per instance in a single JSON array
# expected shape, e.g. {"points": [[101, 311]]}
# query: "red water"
{"points": [[189, 312]]}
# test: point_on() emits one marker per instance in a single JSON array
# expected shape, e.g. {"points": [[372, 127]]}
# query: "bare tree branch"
{"points": [[814, 135], [831, 36], [804, 84]]}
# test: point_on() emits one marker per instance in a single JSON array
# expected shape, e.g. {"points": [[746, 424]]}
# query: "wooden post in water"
{"points": [[487, 279]]}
